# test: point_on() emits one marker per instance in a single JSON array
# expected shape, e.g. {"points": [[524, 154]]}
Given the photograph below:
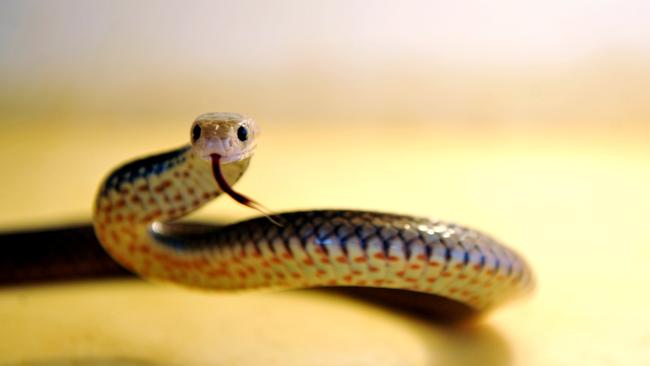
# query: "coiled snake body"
{"points": [[137, 204]]}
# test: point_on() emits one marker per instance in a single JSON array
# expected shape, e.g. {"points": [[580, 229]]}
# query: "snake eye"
{"points": [[196, 132], [242, 133]]}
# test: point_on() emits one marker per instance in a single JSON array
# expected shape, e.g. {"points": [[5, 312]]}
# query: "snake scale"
{"points": [[139, 203]]}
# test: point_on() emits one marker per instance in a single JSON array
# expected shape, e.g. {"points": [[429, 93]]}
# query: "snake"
{"points": [[139, 206]]}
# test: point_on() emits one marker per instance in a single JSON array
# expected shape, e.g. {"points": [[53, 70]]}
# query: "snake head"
{"points": [[231, 136]]}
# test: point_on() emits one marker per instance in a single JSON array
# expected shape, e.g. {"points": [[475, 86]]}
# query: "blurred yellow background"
{"points": [[530, 121]]}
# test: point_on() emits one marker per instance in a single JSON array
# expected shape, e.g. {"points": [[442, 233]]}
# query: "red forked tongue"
{"points": [[227, 189]]}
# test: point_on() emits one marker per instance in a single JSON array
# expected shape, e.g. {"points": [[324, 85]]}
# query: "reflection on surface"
{"points": [[448, 336], [479, 345], [427, 306]]}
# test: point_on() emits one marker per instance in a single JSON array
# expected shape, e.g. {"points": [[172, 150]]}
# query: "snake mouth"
{"points": [[225, 158], [228, 151]]}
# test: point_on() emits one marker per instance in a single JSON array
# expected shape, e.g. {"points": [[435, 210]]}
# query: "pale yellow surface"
{"points": [[576, 207]]}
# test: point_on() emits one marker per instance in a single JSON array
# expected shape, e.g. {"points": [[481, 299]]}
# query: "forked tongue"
{"points": [[244, 200]]}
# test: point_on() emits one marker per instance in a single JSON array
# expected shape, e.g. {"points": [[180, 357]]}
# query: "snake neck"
{"points": [[155, 189]]}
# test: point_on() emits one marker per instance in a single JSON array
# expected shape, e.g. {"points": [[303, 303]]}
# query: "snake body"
{"points": [[138, 203]]}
